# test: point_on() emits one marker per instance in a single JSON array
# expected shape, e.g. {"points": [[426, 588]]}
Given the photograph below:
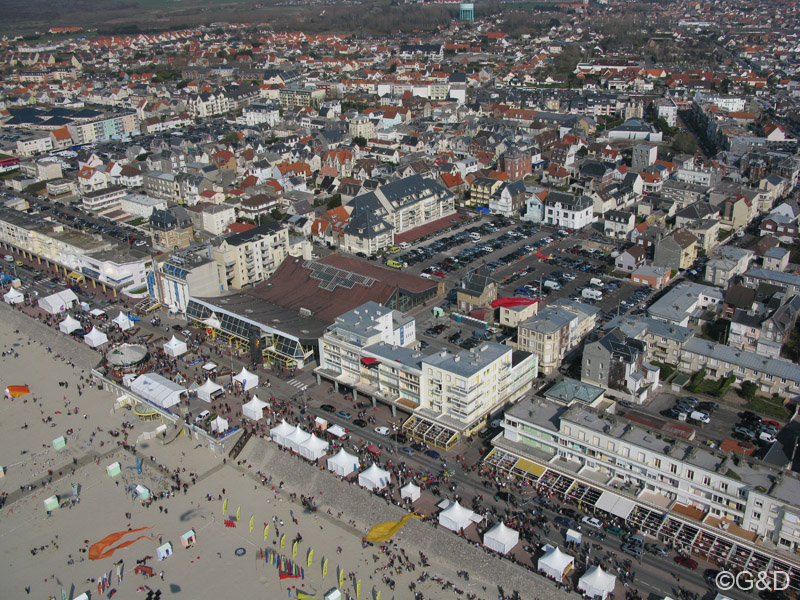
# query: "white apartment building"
{"points": [[32, 146], [104, 199], [109, 126], [260, 114], [372, 351], [568, 211], [140, 205], [253, 255], [701, 500]]}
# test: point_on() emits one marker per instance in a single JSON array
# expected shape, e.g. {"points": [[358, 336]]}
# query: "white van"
{"points": [[202, 416], [766, 436], [700, 416], [405, 245], [552, 284], [591, 294], [475, 236], [596, 281]]}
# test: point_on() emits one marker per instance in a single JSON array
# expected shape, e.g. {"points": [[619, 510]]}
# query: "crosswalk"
{"points": [[298, 384]]}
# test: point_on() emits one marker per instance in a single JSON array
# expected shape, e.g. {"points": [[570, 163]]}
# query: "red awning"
{"points": [[370, 362]]}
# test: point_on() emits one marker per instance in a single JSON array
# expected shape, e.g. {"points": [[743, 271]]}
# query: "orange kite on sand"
{"points": [[99, 549], [15, 391]]}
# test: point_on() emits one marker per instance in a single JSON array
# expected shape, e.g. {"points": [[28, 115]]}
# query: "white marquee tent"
{"points": [[280, 432], [175, 347], [343, 463], [410, 491], [374, 478], [313, 448], [456, 517], [122, 321], [158, 389], [555, 563], [246, 379], [69, 325], [596, 582], [254, 409], [13, 296], [208, 390], [614, 505], [58, 302], [219, 425], [500, 538], [95, 338], [296, 439]]}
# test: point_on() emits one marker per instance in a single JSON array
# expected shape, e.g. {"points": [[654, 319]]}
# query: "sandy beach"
{"points": [[44, 553]]}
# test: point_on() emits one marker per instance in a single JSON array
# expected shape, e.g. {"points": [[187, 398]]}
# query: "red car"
{"points": [[438, 273], [687, 562], [774, 424]]}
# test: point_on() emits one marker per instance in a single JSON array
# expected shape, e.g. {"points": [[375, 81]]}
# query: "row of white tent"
{"points": [[94, 338], [307, 445]]}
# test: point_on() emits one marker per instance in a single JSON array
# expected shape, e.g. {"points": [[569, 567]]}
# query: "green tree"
{"points": [[684, 143], [360, 141], [334, 201], [231, 138], [748, 390]]}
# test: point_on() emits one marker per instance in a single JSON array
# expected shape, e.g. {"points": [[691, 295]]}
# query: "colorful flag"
{"points": [[225, 507], [238, 513], [325, 568], [251, 523], [341, 577], [358, 588], [378, 597], [266, 531], [294, 550], [283, 540], [310, 557]]}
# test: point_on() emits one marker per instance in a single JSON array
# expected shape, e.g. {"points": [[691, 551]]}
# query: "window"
{"points": [[690, 474], [657, 463], [723, 486], [756, 514], [706, 480], [673, 468]]}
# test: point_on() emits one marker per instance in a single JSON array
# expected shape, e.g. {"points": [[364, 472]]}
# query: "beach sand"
{"points": [[211, 568]]}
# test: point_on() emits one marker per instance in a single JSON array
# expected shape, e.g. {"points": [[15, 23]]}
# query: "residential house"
{"points": [[631, 259], [677, 251], [477, 290], [727, 263], [568, 211], [655, 277], [510, 199], [618, 224], [618, 363]]}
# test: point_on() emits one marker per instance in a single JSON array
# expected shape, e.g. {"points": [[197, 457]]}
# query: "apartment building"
{"points": [[253, 255], [686, 494], [162, 185], [140, 205], [371, 350], [568, 211], [619, 362], [679, 304], [104, 199], [259, 113], [728, 262], [174, 278], [554, 331], [789, 282], [104, 128], [677, 251]]}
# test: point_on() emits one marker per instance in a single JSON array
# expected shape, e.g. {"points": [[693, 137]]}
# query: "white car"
{"points": [[382, 430], [592, 522]]}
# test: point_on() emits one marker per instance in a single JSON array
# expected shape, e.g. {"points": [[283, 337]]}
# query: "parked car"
{"points": [[614, 530], [382, 430], [432, 454], [635, 551], [687, 562], [360, 423], [564, 522], [568, 512], [407, 451], [592, 522], [343, 414], [656, 550], [328, 408]]}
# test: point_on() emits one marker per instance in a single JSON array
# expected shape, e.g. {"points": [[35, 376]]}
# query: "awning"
{"points": [[370, 362], [615, 505], [530, 467]]}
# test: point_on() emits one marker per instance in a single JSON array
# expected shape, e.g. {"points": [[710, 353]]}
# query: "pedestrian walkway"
{"points": [[298, 384]]}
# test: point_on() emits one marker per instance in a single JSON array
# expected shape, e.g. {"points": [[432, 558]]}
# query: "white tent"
{"points": [[456, 517], [95, 338], [374, 478], [158, 389], [500, 538], [58, 302], [208, 390], [175, 347], [123, 321], [555, 563], [280, 432], [343, 463], [247, 379], [219, 425], [294, 440], [337, 430], [614, 505], [13, 296], [254, 409], [410, 491], [313, 448], [596, 582], [69, 325]]}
